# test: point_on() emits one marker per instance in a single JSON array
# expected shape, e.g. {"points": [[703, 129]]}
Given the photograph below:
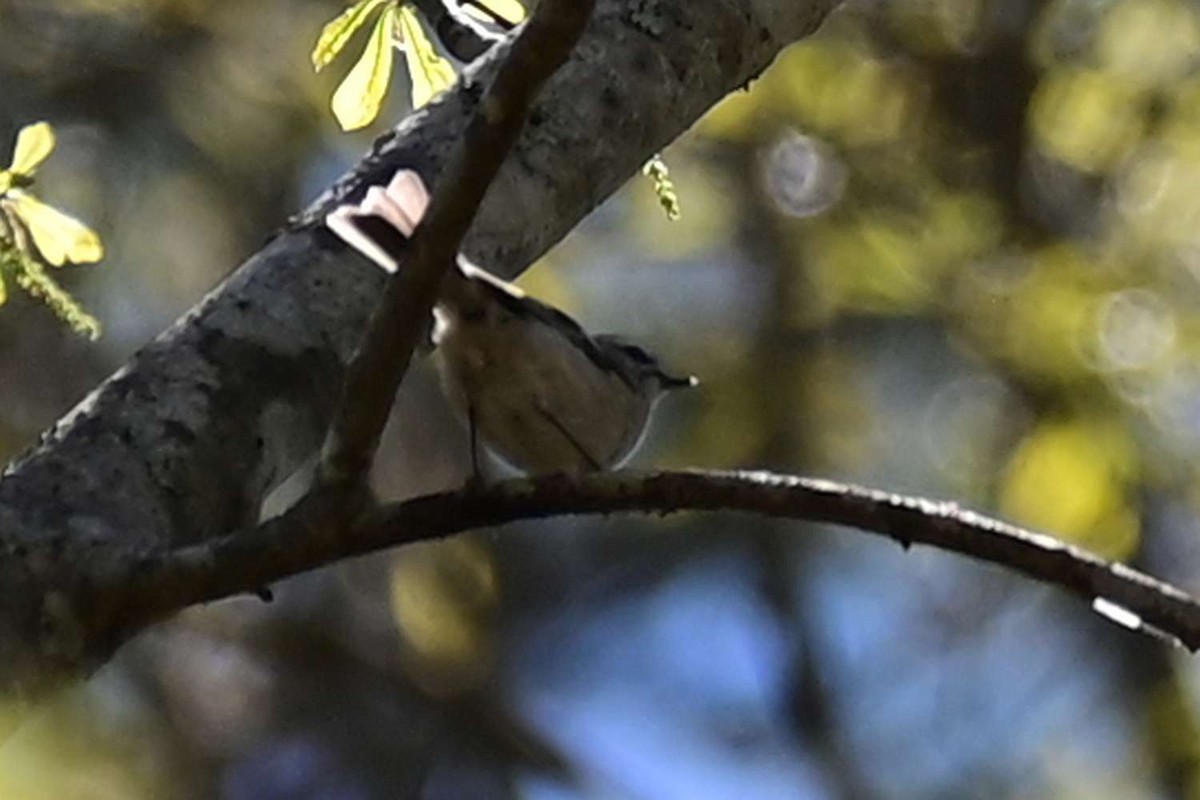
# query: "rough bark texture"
{"points": [[181, 445]]}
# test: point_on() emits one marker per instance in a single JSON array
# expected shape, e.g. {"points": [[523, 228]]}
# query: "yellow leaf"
{"points": [[35, 143], [338, 31], [58, 237], [508, 13], [429, 73], [357, 101]]}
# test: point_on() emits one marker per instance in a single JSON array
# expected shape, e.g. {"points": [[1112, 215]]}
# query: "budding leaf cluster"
{"points": [[35, 235], [359, 97]]}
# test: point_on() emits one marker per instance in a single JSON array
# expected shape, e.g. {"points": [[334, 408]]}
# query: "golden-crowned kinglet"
{"points": [[540, 392]]}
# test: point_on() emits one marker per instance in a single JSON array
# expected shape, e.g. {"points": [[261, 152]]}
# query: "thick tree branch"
{"points": [[401, 321], [287, 546], [182, 444]]}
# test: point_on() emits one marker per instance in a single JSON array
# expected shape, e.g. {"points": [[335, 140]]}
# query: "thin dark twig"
{"points": [[285, 546], [401, 320]]}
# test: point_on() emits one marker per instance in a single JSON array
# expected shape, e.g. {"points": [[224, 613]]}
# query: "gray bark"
{"points": [[181, 445]]}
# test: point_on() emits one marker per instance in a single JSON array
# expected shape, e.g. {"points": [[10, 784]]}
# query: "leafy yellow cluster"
{"points": [[34, 234], [360, 95]]}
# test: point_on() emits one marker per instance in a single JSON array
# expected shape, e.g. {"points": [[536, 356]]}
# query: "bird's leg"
{"points": [[476, 477]]}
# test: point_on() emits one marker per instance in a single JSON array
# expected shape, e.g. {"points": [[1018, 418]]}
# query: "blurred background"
{"points": [[949, 247]]}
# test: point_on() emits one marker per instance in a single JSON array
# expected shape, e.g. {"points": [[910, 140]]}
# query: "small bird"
{"points": [[541, 394]]}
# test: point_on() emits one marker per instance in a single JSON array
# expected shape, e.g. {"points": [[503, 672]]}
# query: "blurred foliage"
{"points": [[1041, 228], [443, 599], [943, 246], [1084, 467], [61, 754]]}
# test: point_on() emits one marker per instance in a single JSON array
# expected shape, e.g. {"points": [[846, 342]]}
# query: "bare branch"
{"points": [[285, 546]]}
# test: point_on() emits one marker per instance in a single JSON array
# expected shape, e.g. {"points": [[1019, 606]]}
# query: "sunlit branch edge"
{"points": [[291, 543]]}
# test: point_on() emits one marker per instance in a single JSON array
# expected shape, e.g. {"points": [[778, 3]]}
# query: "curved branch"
{"points": [[290, 544]]}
